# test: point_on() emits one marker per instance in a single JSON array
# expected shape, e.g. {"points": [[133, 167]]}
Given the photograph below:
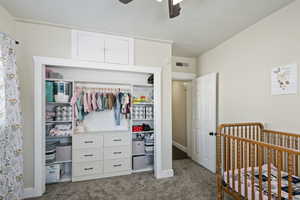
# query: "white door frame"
{"points": [[39, 131], [184, 76]]}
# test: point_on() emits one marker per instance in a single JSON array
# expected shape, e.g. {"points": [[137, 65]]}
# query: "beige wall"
{"points": [[179, 112], [190, 60], [244, 63], [50, 41], [7, 24], [149, 53]]}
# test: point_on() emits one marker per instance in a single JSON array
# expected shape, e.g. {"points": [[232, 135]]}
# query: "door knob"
{"points": [[212, 134]]}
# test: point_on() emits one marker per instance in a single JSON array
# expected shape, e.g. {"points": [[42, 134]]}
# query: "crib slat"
{"points": [[260, 152], [274, 151], [245, 171], [229, 150], [239, 165], [269, 173], [252, 171], [296, 157], [290, 171], [279, 157], [233, 164], [228, 161], [257, 139], [224, 154]]}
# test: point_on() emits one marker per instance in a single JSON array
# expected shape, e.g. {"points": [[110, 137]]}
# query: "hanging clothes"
{"points": [[86, 101], [117, 109], [94, 101]]}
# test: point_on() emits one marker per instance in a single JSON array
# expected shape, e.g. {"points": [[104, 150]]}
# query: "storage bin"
{"points": [[49, 91], [139, 162], [53, 173], [51, 152], [149, 159], [64, 152], [149, 149], [138, 147]]}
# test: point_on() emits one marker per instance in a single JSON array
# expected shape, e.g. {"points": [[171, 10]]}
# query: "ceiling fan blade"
{"points": [[174, 10], [125, 1]]}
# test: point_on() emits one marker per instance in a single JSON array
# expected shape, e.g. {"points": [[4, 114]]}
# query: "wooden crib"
{"points": [[254, 163]]}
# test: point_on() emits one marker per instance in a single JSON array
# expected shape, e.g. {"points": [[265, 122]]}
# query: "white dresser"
{"points": [[101, 154]]}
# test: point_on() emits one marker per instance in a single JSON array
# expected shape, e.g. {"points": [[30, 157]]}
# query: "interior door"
{"points": [[204, 120]]}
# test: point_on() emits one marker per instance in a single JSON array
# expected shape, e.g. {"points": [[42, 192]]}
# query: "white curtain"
{"points": [[11, 138]]}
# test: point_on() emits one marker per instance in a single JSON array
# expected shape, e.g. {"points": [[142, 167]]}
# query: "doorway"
{"points": [[180, 114], [194, 113]]}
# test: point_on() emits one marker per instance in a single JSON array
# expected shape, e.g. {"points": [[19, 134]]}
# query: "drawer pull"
{"points": [[119, 165], [88, 142], [88, 155], [117, 140], [87, 169], [117, 153]]}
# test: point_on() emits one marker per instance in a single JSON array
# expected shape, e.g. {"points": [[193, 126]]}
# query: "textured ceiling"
{"points": [[203, 24]]}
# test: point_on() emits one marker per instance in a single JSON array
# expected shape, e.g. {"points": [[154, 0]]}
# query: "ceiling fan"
{"points": [[174, 7]]}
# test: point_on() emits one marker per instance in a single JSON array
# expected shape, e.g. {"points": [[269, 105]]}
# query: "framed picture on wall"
{"points": [[285, 80]]}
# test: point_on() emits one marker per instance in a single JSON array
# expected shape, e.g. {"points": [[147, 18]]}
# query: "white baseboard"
{"points": [[29, 193], [166, 173], [179, 146]]}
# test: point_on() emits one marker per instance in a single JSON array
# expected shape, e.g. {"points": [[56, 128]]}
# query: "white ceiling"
{"points": [[203, 24]]}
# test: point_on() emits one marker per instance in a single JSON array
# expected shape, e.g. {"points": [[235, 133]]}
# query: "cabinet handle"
{"points": [[88, 155], [117, 152], [119, 165], [88, 142], [87, 169], [117, 140]]}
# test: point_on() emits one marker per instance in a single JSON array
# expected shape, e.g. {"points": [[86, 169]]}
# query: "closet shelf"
{"points": [[54, 79], [58, 102], [47, 122], [142, 119], [58, 137], [139, 154], [141, 132], [143, 170], [59, 162], [143, 103], [142, 85]]}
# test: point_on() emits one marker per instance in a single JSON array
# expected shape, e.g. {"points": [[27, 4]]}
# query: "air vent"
{"points": [[182, 64]]}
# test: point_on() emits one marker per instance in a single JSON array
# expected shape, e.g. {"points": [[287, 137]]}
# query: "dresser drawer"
{"points": [[116, 165], [87, 168], [116, 152], [120, 139], [87, 141], [87, 155]]}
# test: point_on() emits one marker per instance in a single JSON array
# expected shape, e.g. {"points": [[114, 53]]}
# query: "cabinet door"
{"points": [[90, 47], [117, 51]]}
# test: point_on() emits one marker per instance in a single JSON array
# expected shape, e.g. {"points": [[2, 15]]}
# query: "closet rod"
{"points": [[104, 83]]}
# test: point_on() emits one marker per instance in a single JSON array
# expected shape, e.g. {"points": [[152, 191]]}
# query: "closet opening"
{"points": [[94, 123]]}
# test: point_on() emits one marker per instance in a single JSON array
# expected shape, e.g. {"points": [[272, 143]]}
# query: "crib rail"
{"points": [[244, 148]]}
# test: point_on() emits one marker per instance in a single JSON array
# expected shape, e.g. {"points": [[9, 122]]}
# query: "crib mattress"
{"points": [[274, 191]]}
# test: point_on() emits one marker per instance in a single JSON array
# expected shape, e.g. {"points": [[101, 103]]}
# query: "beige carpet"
{"points": [[191, 182]]}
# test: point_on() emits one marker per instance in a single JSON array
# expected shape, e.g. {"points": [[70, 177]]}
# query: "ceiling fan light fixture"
{"points": [[175, 2], [125, 1]]}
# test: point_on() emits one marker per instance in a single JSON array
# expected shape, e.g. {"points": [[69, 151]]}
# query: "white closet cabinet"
{"points": [[102, 48], [101, 154]]}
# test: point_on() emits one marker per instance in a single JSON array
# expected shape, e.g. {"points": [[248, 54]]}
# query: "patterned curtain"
{"points": [[11, 138]]}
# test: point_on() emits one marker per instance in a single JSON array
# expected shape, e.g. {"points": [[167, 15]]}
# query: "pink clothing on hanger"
{"points": [[94, 102], [73, 103], [85, 102], [89, 102]]}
